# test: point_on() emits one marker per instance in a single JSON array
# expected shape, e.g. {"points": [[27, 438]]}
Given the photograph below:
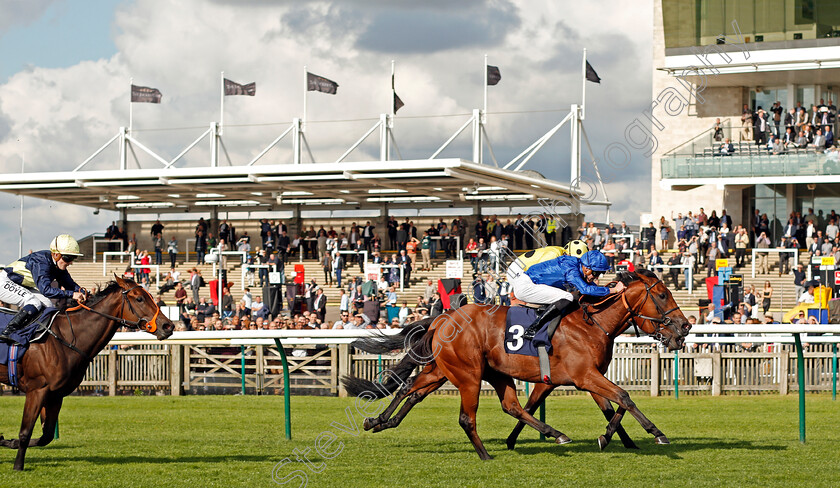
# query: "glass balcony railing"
{"points": [[756, 162]]}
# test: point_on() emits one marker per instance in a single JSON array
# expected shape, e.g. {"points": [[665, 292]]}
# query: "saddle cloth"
{"points": [[33, 332], [518, 320]]}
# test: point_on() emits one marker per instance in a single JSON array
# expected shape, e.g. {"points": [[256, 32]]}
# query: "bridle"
{"points": [[142, 323], [658, 323]]}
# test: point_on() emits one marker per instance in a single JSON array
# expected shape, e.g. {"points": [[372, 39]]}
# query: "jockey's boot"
{"points": [[19, 321], [549, 313]]}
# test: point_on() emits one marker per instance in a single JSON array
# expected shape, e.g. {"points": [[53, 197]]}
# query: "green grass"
{"points": [[232, 441]]}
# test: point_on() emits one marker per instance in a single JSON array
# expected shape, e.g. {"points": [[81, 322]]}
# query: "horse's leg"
{"points": [[506, 390], [538, 395], [419, 390], [405, 391], [609, 413], [31, 411], [597, 383], [469, 407], [615, 423], [49, 419]]}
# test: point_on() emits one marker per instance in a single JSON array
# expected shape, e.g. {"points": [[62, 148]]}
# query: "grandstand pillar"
{"points": [[213, 225], [296, 222], [790, 202]]}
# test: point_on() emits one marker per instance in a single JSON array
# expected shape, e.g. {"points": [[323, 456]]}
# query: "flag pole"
{"points": [[130, 106], [222, 105], [305, 87], [393, 90], [583, 89], [485, 85]]}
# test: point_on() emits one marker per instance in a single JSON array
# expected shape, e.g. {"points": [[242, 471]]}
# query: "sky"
{"points": [[66, 66]]}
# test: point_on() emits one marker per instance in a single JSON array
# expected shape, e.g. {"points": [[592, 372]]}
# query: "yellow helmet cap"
{"points": [[65, 244]]}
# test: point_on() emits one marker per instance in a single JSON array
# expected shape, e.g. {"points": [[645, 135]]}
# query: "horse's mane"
{"points": [[627, 277], [110, 288]]}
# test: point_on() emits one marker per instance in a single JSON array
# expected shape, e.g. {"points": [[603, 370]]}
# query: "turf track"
{"points": [[238, 441]]}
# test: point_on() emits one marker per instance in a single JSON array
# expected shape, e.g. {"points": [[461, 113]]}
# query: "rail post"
{"points": [[242, 366], [677, 375], [834, 372], [286, 396], [800, 377]]}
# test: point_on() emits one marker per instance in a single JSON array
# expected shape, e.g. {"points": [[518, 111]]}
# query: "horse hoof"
{"points": [[602, 442], [368, 423], [563, 439], [662, 440]]}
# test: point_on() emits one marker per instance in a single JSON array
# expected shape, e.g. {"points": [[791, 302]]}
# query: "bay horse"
{"points": [[52, 369], [466, 346]]}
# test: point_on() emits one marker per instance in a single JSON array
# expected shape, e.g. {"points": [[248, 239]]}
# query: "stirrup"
{"points": [[530, 332]]}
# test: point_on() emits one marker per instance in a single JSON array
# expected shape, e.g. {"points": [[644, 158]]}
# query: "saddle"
{"points": [[35, 331]]}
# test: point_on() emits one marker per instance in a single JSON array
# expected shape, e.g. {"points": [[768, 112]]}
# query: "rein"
{"points": [[658, 323], [140, 324]]}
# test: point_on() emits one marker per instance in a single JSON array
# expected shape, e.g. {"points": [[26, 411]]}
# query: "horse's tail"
{"points": [[416, 339]]}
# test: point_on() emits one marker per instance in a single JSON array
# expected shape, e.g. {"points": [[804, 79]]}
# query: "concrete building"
{"points": [[710, 59]]}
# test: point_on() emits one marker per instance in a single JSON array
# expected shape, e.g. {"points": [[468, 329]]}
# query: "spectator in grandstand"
{"points": [[343, 321], [801, 140], [761, 127], [766, 297], [654, 261], [746, 123], [405, 262], [808, 295], [776, 146], [726, 148], [717, 130], [819, 141], [675, 260], [664, 232], [762, 242]]}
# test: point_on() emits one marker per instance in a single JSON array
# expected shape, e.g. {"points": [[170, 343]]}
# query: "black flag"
{"points": [[591, 75], [144, 94], [233, 88], [493, 75], [398, 104], [321, 84]]}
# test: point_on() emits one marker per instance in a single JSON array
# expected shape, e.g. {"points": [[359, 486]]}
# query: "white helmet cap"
{"points": [[64, 244]]}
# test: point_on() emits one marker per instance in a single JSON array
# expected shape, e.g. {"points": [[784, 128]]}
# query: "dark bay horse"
{"points": [[52, 369], [466, 346]]}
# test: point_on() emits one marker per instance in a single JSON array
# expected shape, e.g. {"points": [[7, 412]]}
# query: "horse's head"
{"points": [[139, 306], [653, 309]]}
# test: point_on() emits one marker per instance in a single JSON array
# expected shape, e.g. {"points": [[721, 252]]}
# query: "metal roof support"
{"points": [[384, 140], [362, 139], [477, 126], [574, 158], [77, 168], [533, 148], [298, 136], [273, 143], [214, 145], [176, 158], [123, 148], [449, 141], [148, 151]]}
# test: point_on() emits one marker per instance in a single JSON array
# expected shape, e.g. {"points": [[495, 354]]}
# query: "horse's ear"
{"points": [[119, 281]]}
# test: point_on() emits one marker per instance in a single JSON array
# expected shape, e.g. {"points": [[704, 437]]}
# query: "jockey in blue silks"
{"points": [[545, 282], [27, 282]]}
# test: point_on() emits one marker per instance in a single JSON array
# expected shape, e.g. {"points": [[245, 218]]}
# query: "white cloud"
{"points": [[58, 117], [18, 13]]}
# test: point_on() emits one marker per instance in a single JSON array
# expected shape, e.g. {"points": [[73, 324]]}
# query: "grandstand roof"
{"points": [[284, 186]]}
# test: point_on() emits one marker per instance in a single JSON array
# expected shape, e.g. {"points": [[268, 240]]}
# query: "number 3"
{"points": [[516, 331]]}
